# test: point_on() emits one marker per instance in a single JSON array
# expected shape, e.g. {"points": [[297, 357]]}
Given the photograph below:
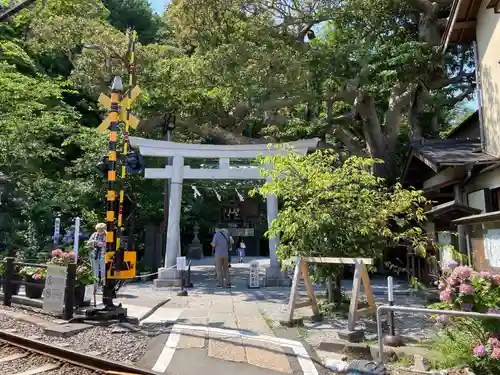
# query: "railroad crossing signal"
{"points": [[105, 101], [125, 270]]}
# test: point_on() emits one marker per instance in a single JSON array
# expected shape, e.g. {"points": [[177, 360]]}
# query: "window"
{"points": [[495, 200]]}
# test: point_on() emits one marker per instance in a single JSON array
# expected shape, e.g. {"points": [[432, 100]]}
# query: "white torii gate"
{"points": [[178, 172]]}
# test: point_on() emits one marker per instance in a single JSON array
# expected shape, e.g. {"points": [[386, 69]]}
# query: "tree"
{"points": [[136, 14], [339, 209], [355, 73]]}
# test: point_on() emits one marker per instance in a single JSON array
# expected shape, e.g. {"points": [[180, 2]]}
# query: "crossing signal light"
{"points": [[134, 162]]}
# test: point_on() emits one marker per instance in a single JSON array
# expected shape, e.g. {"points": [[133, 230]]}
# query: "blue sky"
{"points": [[158, 5]]}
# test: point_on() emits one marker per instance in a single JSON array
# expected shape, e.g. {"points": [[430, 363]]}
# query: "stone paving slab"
{"points": [[227, 348], [266, 355], [254, 324], [164, 315], [189, 340], [221, 320]]}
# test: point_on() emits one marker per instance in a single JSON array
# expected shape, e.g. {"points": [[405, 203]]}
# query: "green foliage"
{"points": [[338, 209], [471, 342], [32, 273]]}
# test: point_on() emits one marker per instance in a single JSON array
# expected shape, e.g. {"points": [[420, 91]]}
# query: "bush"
{"points": [[471, 342]]}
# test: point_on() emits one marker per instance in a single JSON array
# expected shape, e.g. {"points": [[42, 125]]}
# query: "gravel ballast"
{"points": [[97, 341]]}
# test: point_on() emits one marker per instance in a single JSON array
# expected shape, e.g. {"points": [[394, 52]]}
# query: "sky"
{"points": [[158, 5]]}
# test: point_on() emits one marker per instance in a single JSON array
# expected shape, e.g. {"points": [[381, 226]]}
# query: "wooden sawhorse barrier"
{"points": [[360, 276]]}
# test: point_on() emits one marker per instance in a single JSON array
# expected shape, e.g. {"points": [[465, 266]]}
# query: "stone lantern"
{"points": [[195, 250]]}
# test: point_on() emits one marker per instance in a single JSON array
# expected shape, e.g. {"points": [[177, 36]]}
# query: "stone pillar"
{"points": [[272, 213], [274, 275], [169, 276]]}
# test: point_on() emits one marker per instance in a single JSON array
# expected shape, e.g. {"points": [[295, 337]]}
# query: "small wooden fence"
{"points": [[11, 281]]}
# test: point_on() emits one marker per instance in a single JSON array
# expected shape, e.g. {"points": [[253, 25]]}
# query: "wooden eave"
{"points": [[462, 21]]}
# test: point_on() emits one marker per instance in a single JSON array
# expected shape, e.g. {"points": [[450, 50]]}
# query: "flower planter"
{"points": [[16, 287], [79, 296], [33, 291]]}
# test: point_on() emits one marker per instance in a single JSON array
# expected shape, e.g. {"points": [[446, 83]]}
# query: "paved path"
{"points": [[237, 329], [222, 330]]}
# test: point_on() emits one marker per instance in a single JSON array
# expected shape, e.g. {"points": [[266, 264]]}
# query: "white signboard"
{"points": [[181, 264], [55, 285], [492, 247], [253, 276]]}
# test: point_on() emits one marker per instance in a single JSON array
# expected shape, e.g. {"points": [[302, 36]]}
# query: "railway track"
{"points": [[23, 356]]}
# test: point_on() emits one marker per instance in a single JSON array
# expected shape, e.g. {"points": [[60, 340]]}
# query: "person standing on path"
{"points": [[221, 244]]}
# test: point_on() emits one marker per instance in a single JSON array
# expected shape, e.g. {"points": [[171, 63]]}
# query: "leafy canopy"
{"points": [[335, 208]]}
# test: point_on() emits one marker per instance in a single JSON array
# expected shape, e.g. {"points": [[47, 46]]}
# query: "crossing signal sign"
{"points": [[125, 103], [126, 269]]}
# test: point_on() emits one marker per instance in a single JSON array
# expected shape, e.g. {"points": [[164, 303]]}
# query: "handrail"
{"points": [[420, 310]]}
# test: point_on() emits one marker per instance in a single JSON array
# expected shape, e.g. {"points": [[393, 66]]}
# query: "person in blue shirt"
{"points": [[222, 243]]}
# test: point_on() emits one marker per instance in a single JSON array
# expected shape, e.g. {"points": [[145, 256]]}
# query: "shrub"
{"points": [[477, 340]]}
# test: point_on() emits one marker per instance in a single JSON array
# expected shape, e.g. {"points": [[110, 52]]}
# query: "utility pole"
{"points": [[120, 264]]}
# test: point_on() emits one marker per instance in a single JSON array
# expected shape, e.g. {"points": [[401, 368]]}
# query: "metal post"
{"points": [[390, 298], [76, 239], [69, 297], [7, 283], [131, 77], [392, 339], [57, 231]]}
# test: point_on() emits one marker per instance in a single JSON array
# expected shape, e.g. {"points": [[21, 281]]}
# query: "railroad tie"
{"points": [[41, 369], [13, 357]]}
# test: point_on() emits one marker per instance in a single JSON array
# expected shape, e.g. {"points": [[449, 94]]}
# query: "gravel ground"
{"points": [[417, 327], [124, 346]]}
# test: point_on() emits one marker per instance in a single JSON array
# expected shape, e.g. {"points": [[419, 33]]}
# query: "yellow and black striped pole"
{"points": [[116, 90], [131, 77]]}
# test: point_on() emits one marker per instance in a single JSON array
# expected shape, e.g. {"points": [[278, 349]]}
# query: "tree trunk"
{"points": [[334, 287]]}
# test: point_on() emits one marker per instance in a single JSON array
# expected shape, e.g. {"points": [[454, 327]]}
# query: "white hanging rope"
{"points": [[196, 191], [217, 195], [239, 195]]}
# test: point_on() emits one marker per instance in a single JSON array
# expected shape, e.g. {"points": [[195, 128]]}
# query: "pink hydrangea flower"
{"points": [[462, 272], [480, 351], [57, 253], [452, 281], [496, 353], [446, 295], [37, 276], [496, 279], [466, 289], [494, 342], [484, 274]]}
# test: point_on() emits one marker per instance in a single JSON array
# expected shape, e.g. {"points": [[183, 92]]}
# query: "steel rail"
{"points": [[72, 357]]}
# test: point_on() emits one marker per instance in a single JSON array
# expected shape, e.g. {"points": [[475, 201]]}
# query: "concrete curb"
{"points": [[154, 309]]}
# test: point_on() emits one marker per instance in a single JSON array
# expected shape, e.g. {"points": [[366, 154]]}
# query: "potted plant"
{"points": [[33, 275], [84, 277], [19, 258], [84, 274]]}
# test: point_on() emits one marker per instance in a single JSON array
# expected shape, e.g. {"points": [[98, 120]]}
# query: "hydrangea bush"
{"points": [[461, 288], [84, 274]]}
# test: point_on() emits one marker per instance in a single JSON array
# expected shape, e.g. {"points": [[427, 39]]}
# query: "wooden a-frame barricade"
{"points": [[360, 276]]}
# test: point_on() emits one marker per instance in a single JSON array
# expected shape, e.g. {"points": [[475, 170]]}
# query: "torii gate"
{"points": [[178, 172]]}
